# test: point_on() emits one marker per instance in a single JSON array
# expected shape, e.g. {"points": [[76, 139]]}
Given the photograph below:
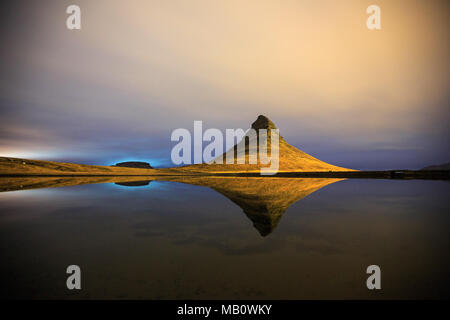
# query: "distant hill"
{"points": [[134, 164], [445, 166]]}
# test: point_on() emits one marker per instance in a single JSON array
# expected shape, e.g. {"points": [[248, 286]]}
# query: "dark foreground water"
{"points": [[170, 240]]}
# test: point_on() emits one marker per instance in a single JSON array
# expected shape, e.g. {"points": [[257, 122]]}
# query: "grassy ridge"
{"points": [[25, 167], [16, 166]]}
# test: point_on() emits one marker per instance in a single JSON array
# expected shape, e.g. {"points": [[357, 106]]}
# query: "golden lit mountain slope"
{"points": [[290, 158]]}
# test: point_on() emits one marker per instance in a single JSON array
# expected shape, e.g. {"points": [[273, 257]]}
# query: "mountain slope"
{"points": [[444, 166], [290, 158]]}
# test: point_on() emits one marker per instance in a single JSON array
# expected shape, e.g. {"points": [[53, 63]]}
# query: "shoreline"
{"points": [[16, 167], [388, 174]]}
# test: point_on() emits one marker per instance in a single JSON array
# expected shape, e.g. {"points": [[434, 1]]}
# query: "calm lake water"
{"points": [[172, 240]]}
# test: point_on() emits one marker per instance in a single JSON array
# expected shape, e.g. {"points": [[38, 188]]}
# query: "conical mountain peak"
{"points": [[263, 123], [290, 159]]}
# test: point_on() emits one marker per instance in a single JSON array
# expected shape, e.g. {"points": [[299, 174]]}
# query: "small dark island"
{"points": [[134, 164]]}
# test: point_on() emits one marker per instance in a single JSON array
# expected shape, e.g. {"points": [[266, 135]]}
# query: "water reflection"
{"points": [[188, 238], [25, 183], [263, 200], [133, 183]]}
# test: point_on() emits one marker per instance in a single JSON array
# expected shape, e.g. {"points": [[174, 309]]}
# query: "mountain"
{"points": [[290, 158], [444, 166]]}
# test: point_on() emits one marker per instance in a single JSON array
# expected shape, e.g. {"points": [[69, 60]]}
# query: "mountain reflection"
{"points": [[263, 200]]}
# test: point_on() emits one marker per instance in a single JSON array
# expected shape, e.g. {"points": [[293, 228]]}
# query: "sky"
{"points": [[137, 70]]}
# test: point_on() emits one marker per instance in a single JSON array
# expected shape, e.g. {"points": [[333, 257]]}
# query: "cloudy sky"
{"points": [[137, 70]]}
